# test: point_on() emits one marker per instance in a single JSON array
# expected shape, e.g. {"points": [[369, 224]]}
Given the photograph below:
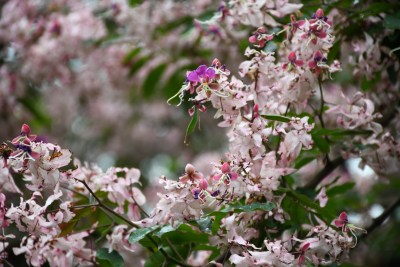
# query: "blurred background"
{"points": [[94, 76]]}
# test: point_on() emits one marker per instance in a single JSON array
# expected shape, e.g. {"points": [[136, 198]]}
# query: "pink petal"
{"points": [[319, 13], [193, 77], [312, 64], [201, 70], [252, 39], [225, 168], [233, 176], [292, 56]]}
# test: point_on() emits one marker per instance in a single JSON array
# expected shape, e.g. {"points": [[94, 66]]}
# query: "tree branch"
{"points": [[378, 221], [329, 167], [106, 207]]}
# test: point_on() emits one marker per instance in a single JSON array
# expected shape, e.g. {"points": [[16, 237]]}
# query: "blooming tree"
{"points": [[270, 198]]}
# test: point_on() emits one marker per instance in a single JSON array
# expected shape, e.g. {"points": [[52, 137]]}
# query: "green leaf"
{"points": [[150, 84], [306, 201], [139, 234], [238, 207], [392, 21], [107, 259], [166, 229], [36, 107], [156, 259], [303, 161], [134, 2], [276, 118], [133, 53], [340, 132], [340, 189], [186, 234], [138, 64], [192, 124], [321, 143], [205, 224]]}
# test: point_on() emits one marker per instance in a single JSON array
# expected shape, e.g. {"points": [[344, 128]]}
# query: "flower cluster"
{"points": [[254, 207]]}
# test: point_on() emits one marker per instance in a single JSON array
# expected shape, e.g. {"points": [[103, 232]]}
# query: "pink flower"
{"points": [[342, 221], [322, 197], [203, 184], [25, 133], [302, 258], [319, 15], [226, 174], [260, 37], [293, 62], [201, 74], [317, 63], [3, 221], [294, 25], [190, 174]]}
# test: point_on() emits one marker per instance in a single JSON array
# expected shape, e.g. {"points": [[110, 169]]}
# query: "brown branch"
{"points": [[329, 167], [106, 207], [378, 221]]}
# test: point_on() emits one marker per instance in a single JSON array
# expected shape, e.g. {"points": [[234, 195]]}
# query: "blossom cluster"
{"points": [[278, 106]]}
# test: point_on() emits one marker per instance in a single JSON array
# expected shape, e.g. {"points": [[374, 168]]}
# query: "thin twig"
{"points": [[165, 254], [8, 263], [106, 207], [321, 107]]}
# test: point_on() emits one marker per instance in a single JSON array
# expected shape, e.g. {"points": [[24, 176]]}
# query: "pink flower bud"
{"points": [[292, 56], [252, 39], [203, 185], [319, 13], [189, 168], [25, 129], [225, 168]]}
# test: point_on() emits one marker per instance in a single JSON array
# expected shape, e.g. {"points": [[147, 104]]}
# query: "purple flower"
{"points": [[201, 74]]}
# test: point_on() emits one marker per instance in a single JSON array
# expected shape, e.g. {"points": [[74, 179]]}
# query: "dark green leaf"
{"points": [[204, 224], [303, 161], [238, 207], [166, 229], [392, 21], [339, 132], [321, 143], [185, 234], [133, 53], [156, 259], [138, 64], [276, 118], [150, 84], [106, 259], [135, 2], [139, 234], [340, 189], [192, 123]]}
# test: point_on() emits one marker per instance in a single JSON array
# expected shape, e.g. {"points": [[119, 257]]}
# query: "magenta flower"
{"points": [[260, 37], [294, 25], [342, 221], [319, 15], [316, 63], [227, 175], [201, 74], [25, 133], [293, 62], [302, 258]]}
